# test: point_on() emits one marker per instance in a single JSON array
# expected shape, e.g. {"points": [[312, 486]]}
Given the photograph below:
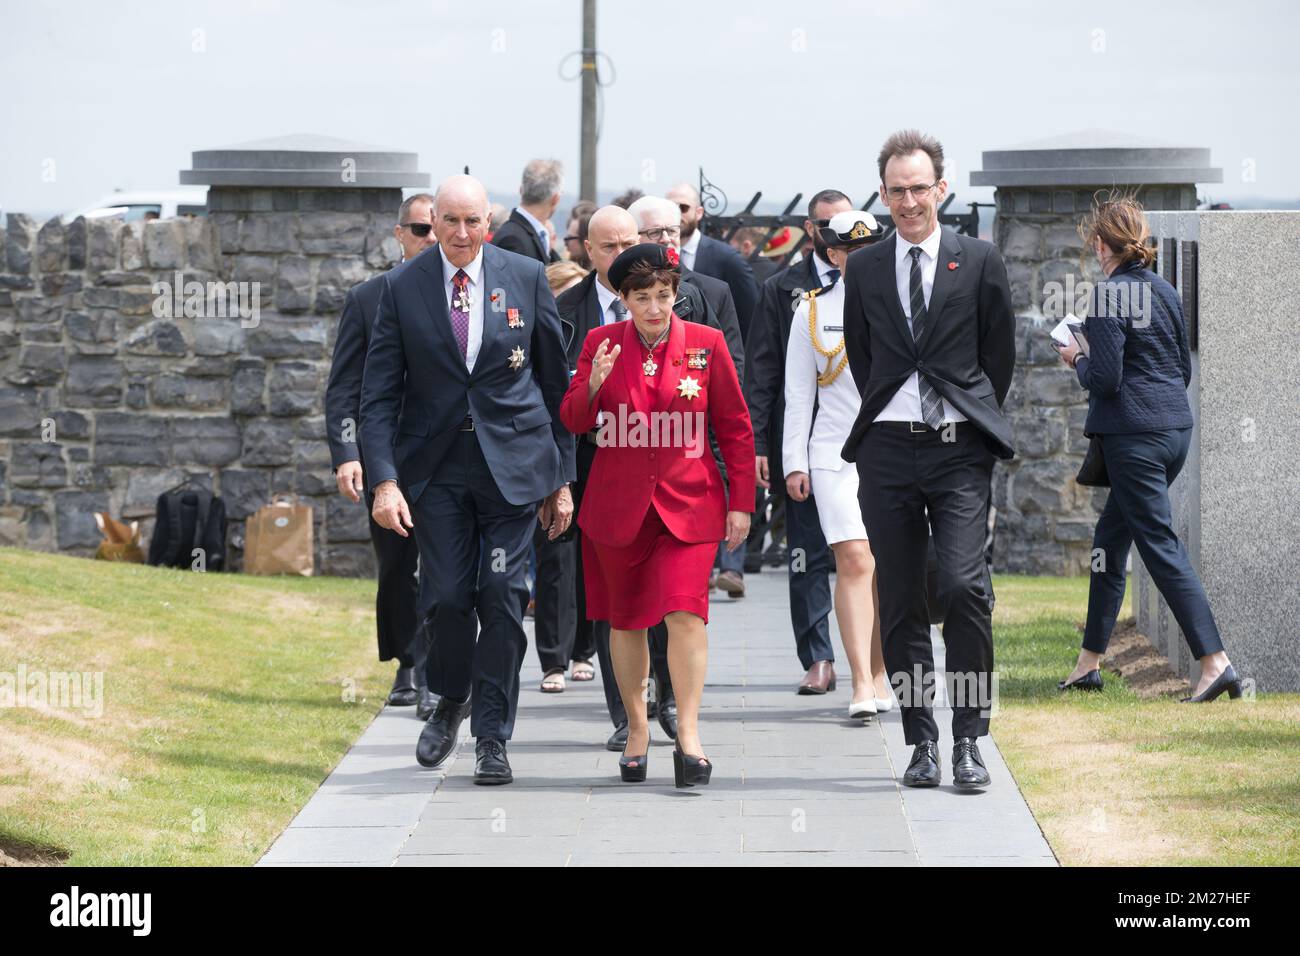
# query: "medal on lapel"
{"points": [[688, 387], [517, 358], [513, 320], [697, 358]]}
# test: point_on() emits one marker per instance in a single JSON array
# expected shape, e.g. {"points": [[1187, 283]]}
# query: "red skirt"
{"points": [[637, 586]]}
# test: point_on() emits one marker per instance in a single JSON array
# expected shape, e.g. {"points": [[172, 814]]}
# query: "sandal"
{"points": [[553, 682], [583, 671]]}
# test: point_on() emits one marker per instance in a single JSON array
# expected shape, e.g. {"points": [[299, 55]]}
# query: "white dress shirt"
{"points": [[905, 406], [689, 248], [823, 270], [475, 289], [606, 300], [837, 403], [539, 227]]}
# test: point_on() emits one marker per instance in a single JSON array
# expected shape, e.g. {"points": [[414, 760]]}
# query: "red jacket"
{"points": [[667, 460]]}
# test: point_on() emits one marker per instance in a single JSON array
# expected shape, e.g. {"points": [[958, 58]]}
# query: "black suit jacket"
{"points": [[343, 393], [416, 390], [769, 334], [720, 313], [718, 259], [516, 235], [967, 350]]}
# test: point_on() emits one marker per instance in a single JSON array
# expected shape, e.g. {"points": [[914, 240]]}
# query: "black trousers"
{"points": [[905, 478], [810, 581], [555, 619], [1142, 466], [473, 554], [396, 624], [595, 634]]}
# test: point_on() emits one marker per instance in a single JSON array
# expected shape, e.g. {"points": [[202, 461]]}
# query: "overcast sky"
{"points": [[779, 95]]}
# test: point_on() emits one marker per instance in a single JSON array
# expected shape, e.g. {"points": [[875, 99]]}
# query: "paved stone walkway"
{"points": [[795, 782]]}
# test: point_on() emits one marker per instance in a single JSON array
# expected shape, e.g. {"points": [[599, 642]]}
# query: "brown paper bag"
{"points": [[121, 542], [278, 539]]}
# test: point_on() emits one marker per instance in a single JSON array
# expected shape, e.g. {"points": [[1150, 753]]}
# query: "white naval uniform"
{"points": [[812, 446]]}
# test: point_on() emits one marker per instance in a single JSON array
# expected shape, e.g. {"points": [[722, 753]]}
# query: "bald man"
{"points": [[465, 452], [713, 257]]}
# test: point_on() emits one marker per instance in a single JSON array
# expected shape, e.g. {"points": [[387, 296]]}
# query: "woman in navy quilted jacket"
{"points": [[1136, 372]]}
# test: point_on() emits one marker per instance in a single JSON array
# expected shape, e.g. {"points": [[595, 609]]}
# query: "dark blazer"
{"points": [[408, 421], [763, 270], [1139, 364], [718, 259], [516, 235], [720, 313], [343, 393], [769, 334], [967, 350]]}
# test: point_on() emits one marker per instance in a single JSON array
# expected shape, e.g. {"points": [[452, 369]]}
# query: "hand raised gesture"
{"points": [[602, 363]]}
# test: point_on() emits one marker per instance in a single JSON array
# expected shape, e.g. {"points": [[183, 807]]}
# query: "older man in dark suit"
{"points": [[527, 232], [396, 557], [713, 257], [460, 417], [930, 336]]}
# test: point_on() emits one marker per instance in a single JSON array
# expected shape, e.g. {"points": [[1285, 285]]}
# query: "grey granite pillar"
{"points": [[1044, 519]]}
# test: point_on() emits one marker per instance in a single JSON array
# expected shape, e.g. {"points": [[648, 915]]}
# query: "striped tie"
{"points": [[931, 405]]}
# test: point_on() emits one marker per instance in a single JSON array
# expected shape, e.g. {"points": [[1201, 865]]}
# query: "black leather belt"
{"points": [[467, 425], [921, 428]]}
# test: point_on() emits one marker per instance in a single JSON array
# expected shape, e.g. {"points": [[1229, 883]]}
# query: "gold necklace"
{"points": [[824, 378]]}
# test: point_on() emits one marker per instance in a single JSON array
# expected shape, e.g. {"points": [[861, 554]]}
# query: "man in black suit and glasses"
{"points": [[930, 337], [396, 557]]}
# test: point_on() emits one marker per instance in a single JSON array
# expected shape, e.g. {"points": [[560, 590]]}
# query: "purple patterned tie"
{"points": [[459, 315]]}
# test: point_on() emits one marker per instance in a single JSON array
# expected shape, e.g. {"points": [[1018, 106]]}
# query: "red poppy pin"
{"points": [[951, 266], [671, 255]]}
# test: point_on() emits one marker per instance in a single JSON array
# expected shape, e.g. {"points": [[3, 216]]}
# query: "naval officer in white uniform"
{"points": [[821, 404]]}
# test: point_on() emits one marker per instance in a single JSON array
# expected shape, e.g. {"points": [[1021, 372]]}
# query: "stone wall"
{"points": [[1045, 519], [104, 403]]}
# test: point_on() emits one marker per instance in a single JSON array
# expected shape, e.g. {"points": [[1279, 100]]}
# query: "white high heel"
{"points": [[862, 709], [884, 704]]}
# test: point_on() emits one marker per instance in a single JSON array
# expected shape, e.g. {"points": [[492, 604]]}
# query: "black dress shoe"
{"points": [[968, 772], [923, 771], [438, 738], [425, 703], [668, 717], [618, 739], [490, 763], [403, 693], [1228, 681], [1089, 681], [652, 708]]}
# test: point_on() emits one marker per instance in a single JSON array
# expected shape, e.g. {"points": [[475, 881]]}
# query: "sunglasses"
{"points": [[418, 229]]}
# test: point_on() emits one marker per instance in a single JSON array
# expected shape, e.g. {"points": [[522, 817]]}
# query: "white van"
{"points": [[151, 204]]}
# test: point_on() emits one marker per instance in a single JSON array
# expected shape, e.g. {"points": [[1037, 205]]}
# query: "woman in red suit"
{"points": [[655, 507]]}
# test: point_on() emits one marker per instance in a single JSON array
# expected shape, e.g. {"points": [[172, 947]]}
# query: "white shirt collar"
{"points": [[823, 268], [472, 270], [539, 227], [604, 297], [929, 245], [692, 244]]}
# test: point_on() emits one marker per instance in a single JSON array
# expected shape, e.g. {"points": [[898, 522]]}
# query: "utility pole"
{"points": [[587, 184]]}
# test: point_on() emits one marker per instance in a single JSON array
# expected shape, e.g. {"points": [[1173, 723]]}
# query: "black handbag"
{"points": [[1092, 472]]}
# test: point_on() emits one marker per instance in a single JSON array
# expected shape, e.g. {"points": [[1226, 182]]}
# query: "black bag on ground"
{"points": [[187, 518]]}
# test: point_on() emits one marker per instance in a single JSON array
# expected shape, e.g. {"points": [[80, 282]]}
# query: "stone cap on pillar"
{"points": [[304, 160], [1096, 157]]}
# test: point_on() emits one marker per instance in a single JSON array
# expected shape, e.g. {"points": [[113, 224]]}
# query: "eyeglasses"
{"points": [[820, 223], [573, 238], [685, 207], [918, 192], [672, 232], [418, 229]]}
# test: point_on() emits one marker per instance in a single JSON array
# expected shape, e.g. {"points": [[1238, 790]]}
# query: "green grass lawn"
{"points": [[1113, 779], [227, 700]]}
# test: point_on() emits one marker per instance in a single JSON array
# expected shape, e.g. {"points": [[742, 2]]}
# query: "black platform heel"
{"points": [[687, 770], [1089, 681], [1228, 681], [634, 774]]}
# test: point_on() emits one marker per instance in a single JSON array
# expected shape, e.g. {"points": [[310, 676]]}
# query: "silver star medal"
{"points": [[517, 358], [463, 300]]}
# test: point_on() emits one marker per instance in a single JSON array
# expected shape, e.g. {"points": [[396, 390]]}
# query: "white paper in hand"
{"points": [[1069, 331]]}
